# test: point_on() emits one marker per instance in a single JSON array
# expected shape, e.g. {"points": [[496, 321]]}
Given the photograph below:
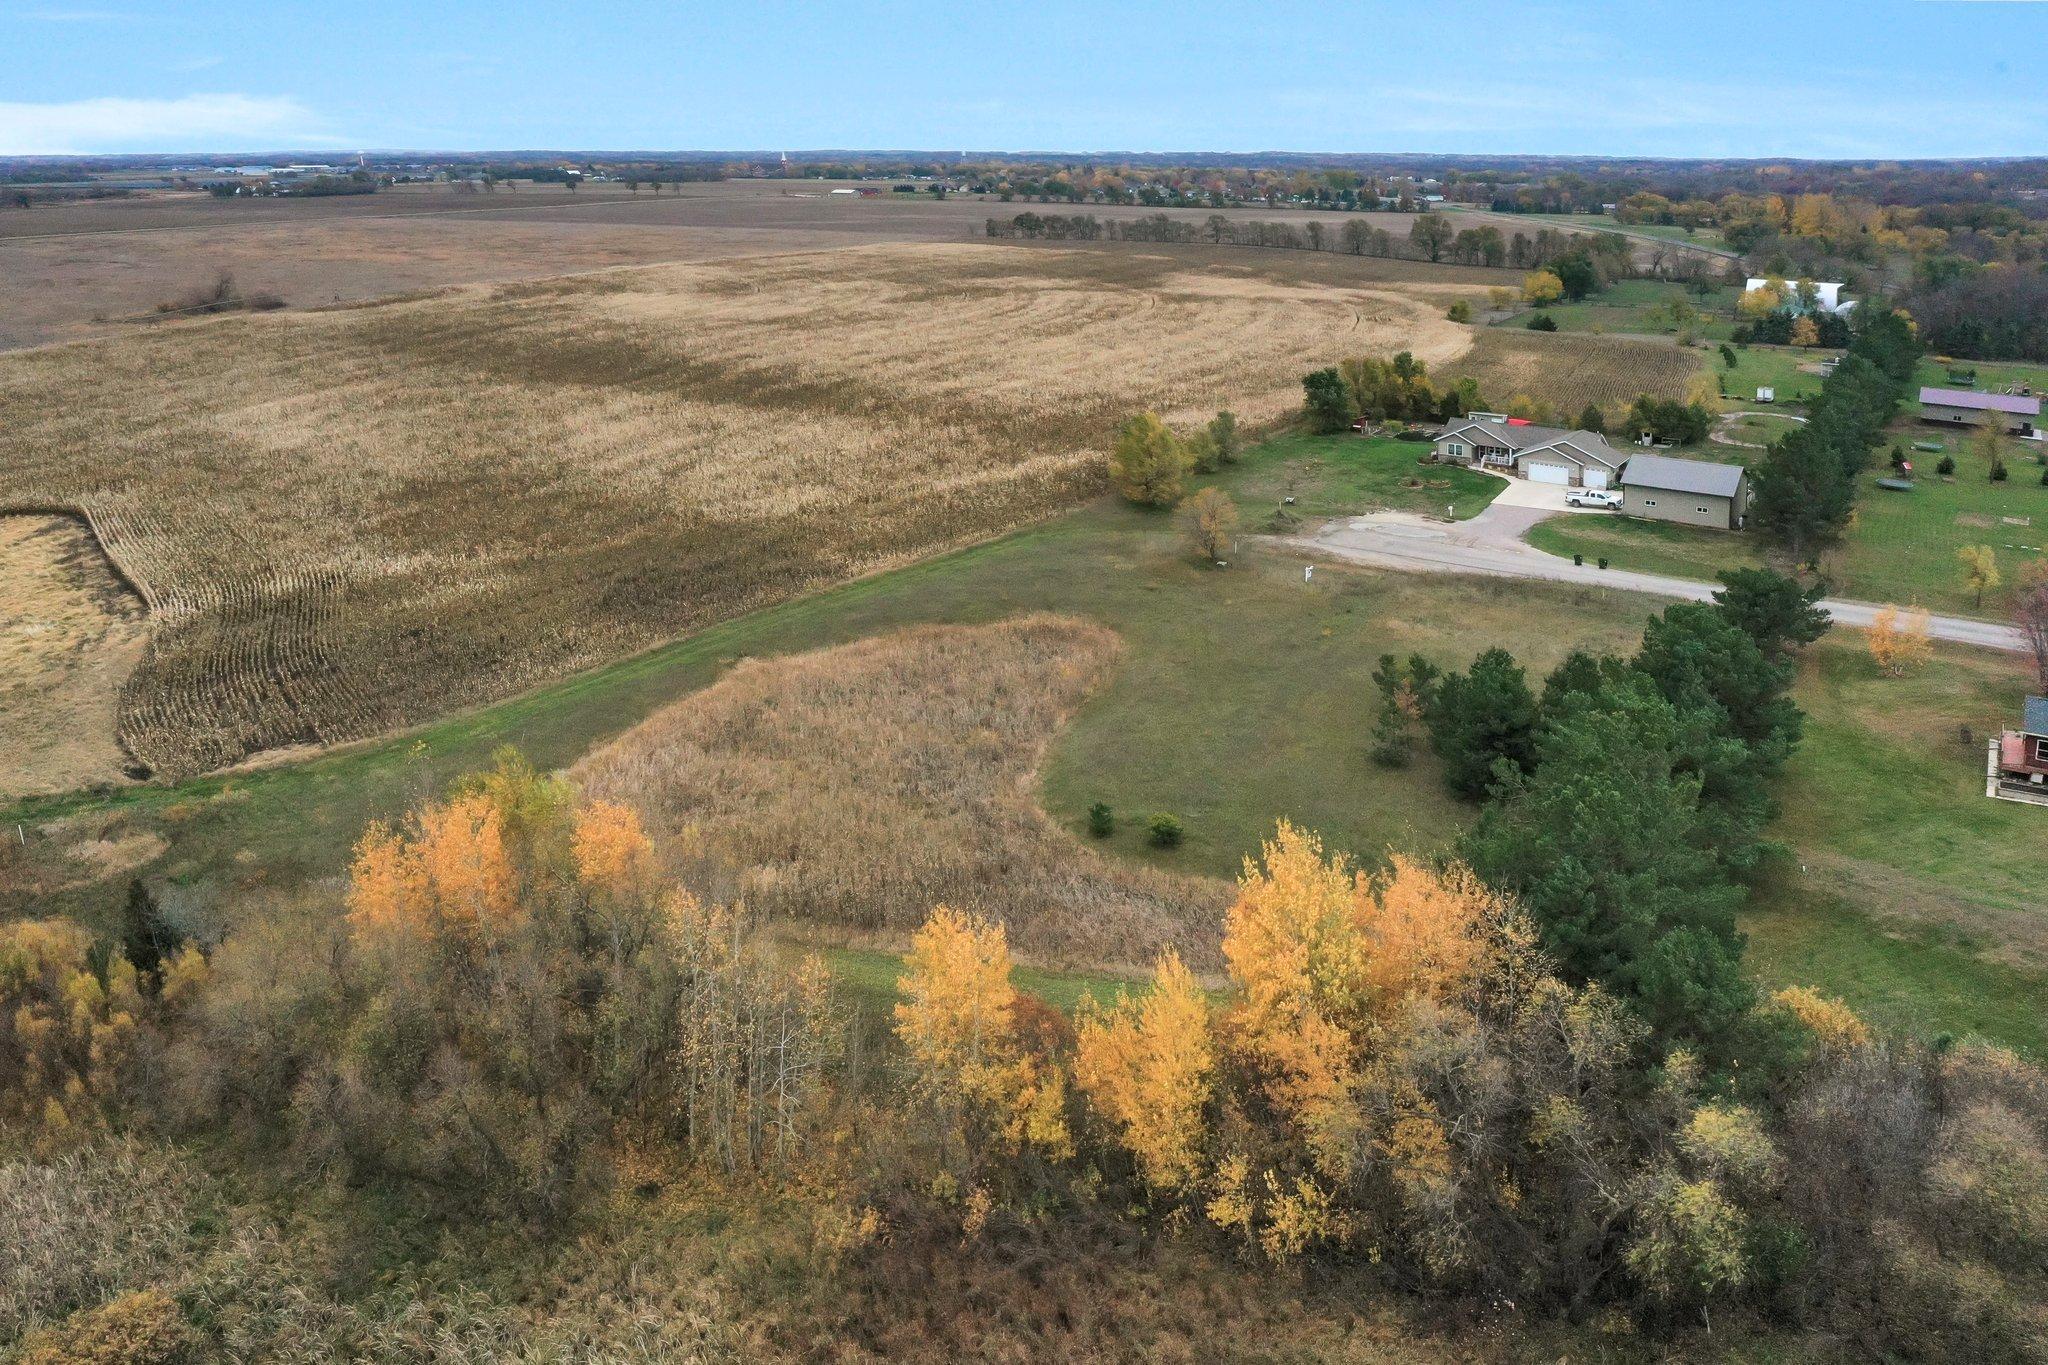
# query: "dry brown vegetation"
{"points": [[69, 635], [857, 787], [349, 521], [1569, 370], [90, 267]]}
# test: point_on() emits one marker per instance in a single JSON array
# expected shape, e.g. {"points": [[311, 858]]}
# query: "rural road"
{"points": [[1491, 543]]}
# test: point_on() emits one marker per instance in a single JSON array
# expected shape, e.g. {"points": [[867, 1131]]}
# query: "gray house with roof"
{"points": [[1694, 492], [2019, 412], [1489, 440]]}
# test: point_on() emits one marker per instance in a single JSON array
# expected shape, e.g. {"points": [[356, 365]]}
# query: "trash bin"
{"points": [[1603, 561], [1579, 560]]}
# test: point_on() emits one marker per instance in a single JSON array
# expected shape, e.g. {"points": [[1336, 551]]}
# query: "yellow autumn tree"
{"points": [[1541, 286], [958, 1023], [1980, 570], [1297, 958], [1762, 301], [1898, 643], [1805, 333], [1147, 1067], [1324, 954]]}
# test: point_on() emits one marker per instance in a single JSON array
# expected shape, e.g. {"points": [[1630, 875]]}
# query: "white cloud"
{"points": [[188, 123]]}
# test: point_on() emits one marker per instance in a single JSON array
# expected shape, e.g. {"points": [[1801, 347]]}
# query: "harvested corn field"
{"points": [[1569, 370], [857, 787], [352, 520]]}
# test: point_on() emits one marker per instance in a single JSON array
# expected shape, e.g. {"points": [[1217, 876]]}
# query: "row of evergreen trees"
{"points": [[1806, 486], [1625, 804]]}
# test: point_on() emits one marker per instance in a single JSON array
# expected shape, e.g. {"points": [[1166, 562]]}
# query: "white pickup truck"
{"points": [[1592, 497]]}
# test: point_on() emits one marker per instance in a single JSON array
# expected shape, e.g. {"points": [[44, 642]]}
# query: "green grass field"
{"points": [[1900, 548], [1993, 376], [1243, 695], [1659, 547], [1639, 306], [1333, 475], [1774, 366]]}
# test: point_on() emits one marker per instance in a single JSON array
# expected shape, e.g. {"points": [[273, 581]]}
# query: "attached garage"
{"points": [[1596, 477], [1539, 472]]}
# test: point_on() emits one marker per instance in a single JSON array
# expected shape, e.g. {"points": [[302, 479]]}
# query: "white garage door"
{"points": [[1548, 473], [1596, 478]]}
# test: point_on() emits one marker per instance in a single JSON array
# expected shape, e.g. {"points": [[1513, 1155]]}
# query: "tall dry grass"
{"points": [[352, 520], [858, 787], [1569, 370]]}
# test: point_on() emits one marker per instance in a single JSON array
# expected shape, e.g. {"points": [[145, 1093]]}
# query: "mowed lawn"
{"points": [[1901, 546], [1243, 695], [1334, 475], [1642, 306], [1921, 897], [1774, 367]]}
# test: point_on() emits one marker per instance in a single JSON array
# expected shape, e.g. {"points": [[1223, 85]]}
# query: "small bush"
{"points": [[1165, 831], [1998, 470], [1543, 322], [1727, 355], [1101, 820], [1412, 434], [1946, 467], [1461, 311], [136, 1329]]}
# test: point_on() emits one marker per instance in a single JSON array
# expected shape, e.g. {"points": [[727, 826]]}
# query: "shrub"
{"points": [[1543, 322], [143, 1328], [1164, 830], [1727, 355], [1461, 311], [1946, 467], [1998, 470], [1101, 820]]}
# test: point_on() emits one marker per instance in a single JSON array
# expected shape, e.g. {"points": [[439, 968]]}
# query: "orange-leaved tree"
{"points": [[1324, 954]]}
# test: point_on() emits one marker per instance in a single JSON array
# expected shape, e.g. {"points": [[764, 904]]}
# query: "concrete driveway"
{"points": [[1491, 543]]}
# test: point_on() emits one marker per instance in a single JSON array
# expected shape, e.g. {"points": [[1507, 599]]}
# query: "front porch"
{"points": [[2015, 770]]}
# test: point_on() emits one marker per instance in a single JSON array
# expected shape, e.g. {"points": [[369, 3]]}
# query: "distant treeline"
{"points": [[1433, 237]]}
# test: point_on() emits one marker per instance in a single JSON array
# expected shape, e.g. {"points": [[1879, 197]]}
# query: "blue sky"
{"points": [[1817, 78]]}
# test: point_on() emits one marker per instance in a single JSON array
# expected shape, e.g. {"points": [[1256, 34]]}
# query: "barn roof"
{"points": [[1993, 402], [1682, 476]]}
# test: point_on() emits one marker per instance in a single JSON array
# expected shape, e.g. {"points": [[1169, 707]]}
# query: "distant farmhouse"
{"points": [[1657, 487], [1694, 492], [1508, 445], [1966, 408], [1827, 295]]}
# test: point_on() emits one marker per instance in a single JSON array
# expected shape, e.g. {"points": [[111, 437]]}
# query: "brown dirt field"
{"points": [[855, 788], [70, 634], [101, 267], [351, 520]]}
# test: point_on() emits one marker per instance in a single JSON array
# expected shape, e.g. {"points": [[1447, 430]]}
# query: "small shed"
{"points": [[1766, 394]]}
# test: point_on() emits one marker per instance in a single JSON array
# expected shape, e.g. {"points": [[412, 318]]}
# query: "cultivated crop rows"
{"points": [[353, 520]]}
